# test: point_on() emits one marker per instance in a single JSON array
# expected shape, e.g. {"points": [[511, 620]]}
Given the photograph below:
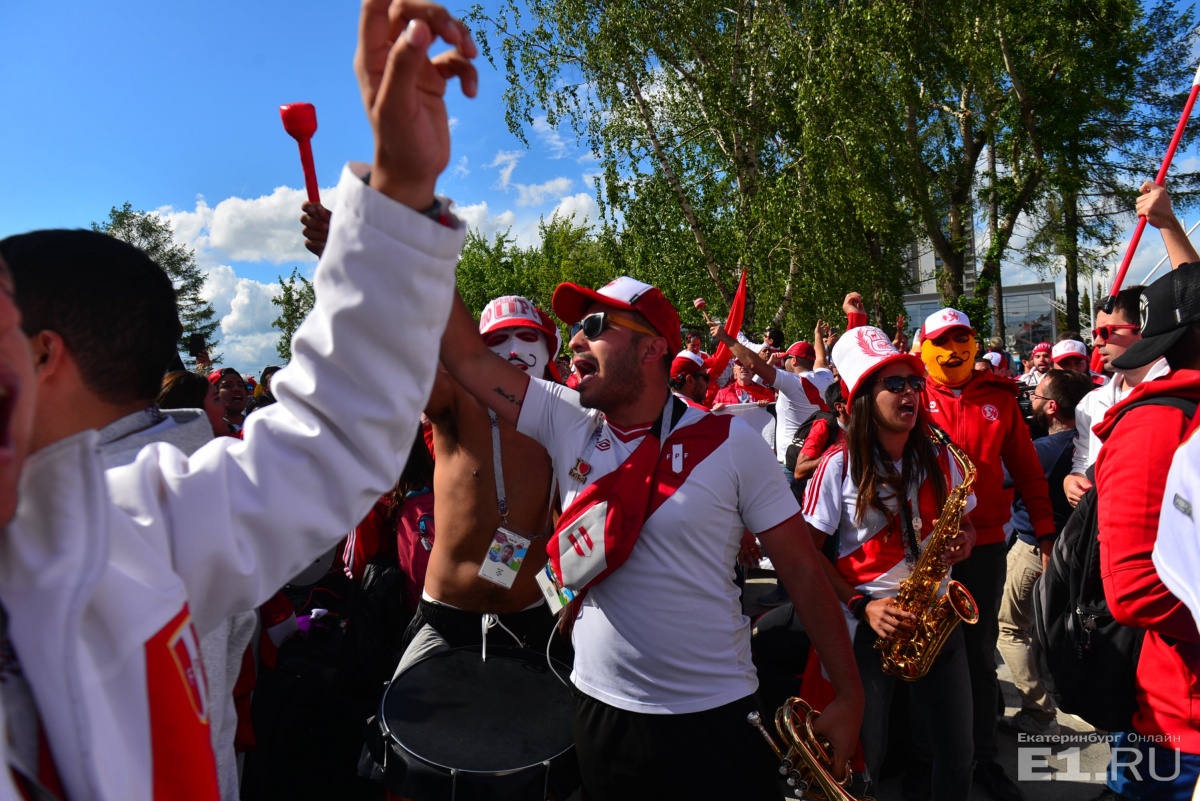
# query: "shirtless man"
{"points": [[466, 493]]}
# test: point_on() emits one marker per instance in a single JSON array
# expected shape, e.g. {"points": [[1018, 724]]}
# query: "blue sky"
{"points": [[173, 107]]}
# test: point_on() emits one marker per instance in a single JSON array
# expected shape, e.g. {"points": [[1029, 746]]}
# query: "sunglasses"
{"points": [[1106, 331], [897, 383], [593, 325]]}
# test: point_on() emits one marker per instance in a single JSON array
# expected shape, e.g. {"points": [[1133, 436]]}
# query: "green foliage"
{"points": [[153, 235], [811, 144], [295, 301], [567, 251]]}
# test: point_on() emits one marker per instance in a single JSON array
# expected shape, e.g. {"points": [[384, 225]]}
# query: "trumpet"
{"points": [[807, 760]]}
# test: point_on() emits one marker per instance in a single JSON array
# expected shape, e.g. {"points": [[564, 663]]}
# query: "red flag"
{"points": [[733, 324]]}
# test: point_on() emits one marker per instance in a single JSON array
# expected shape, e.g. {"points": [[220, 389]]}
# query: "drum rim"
{"points": [[504, 649]]}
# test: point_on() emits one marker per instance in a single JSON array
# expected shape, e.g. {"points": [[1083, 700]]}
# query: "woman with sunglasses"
{"points": [[879, 494]]}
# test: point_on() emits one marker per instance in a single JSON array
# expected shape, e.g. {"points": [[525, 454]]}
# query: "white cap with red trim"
{"points": [[861, 351], [942, 321], [1067, 349]]}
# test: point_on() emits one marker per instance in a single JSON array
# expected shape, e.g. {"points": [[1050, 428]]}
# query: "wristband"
{"points": [[858, 605]]}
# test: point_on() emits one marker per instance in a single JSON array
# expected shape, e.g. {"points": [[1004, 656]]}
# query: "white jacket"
{"points": [[99, 573]]}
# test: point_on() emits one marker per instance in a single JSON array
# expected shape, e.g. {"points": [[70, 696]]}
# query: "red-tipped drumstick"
{"points": [[1110, 302], [701, 305], [300, 121]]}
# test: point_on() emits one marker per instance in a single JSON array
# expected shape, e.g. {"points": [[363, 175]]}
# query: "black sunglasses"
{"points": [[896, 383], [593, 325]]}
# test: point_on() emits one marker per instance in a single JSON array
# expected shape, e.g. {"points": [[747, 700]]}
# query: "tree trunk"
{"points": [[1071, 256], [993, 235]]}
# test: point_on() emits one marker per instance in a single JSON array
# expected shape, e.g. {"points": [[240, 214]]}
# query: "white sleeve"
{"points": [[821, 379], [764, 498], [1177, 546], [242, 517], [823, 495], [549, 412], [1080, 461], [789, 384]]}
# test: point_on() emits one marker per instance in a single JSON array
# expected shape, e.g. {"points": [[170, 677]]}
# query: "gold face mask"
{"points": [[952, 362]]}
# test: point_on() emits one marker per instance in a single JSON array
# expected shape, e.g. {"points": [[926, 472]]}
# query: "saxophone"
{"points": [[911, 658]]}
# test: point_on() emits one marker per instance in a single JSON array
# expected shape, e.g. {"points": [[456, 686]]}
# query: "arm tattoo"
{"points": [[510, 398]]}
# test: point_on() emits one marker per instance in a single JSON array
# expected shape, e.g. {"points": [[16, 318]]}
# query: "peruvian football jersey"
{"points": [[870, 554]]}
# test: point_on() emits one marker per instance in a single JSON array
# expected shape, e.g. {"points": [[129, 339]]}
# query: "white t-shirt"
{"points": [[1091, 410], [800, 394], [665, 633], [871, 563]]}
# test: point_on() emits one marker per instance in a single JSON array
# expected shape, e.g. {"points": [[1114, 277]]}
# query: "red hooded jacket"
{"points": [[1131, 474], [985, 421]]}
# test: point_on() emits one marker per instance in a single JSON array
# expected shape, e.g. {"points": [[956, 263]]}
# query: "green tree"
{"points": [[153, 235], [295, 301]]}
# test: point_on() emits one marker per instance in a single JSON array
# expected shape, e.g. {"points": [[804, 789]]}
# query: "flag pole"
{"points": [[1110, 302]]}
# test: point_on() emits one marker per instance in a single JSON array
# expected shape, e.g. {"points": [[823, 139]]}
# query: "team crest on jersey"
{"points": [[184, 647], [932, 405], [990, 412], [603, 445]]}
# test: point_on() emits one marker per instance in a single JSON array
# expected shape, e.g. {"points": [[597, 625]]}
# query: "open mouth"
{"points": [[584, 369], [908, 407]]}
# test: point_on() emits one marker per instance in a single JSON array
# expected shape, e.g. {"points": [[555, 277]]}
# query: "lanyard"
{"points": [[583, 468], [498, 469], [910, 512]]}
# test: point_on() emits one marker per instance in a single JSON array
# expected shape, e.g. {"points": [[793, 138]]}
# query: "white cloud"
{"points": [[588, 158], [245, 336], [537, 194], [554, 143], [461, 170], [582, 205], [452, 123], [506, 160], [479, 217], [266, 228]]}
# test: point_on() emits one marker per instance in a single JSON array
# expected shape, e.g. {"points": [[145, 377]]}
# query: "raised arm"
{"points": [[756, 363], [819, 334], [1155, 205], [493, 381]]}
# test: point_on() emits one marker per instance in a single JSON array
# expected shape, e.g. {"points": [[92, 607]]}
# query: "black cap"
{"points": [[1169, 306]]}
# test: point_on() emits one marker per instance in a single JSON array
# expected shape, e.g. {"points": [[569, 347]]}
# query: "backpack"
{"points": [[794, 447], [1087, 660]]}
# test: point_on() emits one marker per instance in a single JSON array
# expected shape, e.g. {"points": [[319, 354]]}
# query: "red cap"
{"points": [[802, 350], [1043, 347], [571, 301], [687, 363]]}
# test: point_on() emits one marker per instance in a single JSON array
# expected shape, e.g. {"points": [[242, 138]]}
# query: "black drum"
{"points": [[457, 727]]}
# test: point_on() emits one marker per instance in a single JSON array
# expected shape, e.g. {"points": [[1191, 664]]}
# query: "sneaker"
{"points": [[1023, 722], [995, 781], [775, 597]]}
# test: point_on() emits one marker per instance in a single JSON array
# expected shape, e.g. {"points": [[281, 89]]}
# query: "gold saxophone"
{"points": [[911, 658], [807, 760]]}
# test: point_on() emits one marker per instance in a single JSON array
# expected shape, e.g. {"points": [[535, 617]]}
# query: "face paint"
{"points": [[949, 360], [522, 347]]}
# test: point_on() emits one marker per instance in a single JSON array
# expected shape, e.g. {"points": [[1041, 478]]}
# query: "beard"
{"points": [[622, 383]]}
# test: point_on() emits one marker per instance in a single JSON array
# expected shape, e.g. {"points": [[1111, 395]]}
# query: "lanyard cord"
{"points": [[498, 469]]}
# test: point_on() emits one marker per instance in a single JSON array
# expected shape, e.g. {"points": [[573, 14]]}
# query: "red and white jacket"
{"points": [[109, 578]]}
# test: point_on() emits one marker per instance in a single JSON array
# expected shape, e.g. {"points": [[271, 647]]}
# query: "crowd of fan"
{"points": [[208, 580]]}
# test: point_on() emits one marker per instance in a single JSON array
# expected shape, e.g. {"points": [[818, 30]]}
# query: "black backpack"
{"points": [[793, 449], [1087, 660]]}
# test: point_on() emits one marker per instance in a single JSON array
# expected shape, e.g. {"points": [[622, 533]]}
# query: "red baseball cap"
{"points": [[687, 363], [802, 350], [571, 301]]}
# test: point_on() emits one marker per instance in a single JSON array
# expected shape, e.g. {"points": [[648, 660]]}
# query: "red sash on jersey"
{"points": [[597, 532]]}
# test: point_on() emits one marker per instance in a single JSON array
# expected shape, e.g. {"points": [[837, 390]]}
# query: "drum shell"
{"points": [[448, 723]]}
